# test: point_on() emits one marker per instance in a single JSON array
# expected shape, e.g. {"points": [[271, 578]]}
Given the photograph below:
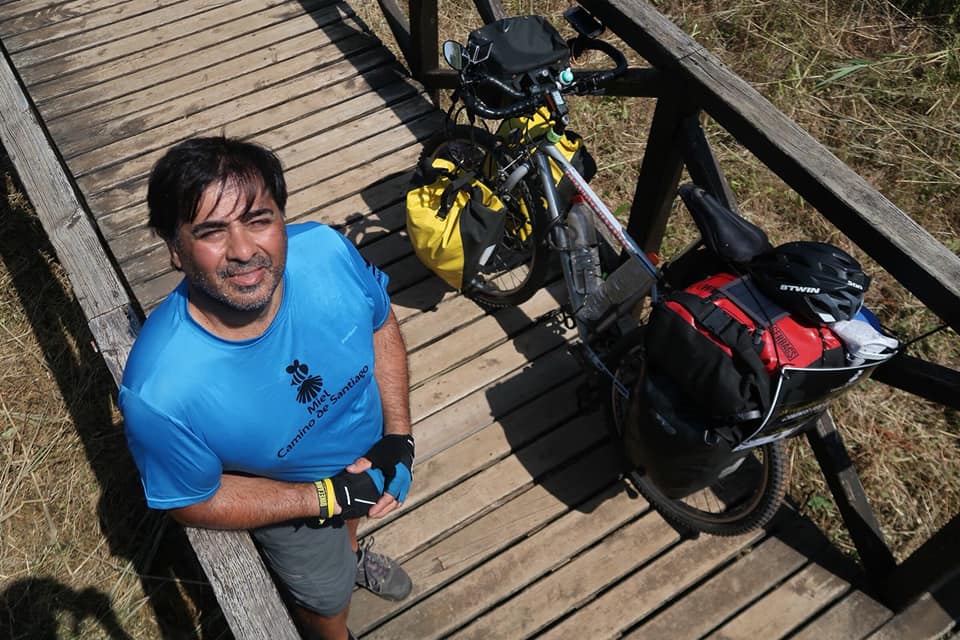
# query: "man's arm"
{"points": [[244, 502], [393, 380]]}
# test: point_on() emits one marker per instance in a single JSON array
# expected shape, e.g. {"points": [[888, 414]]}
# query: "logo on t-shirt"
{"points": [[308, 387]]}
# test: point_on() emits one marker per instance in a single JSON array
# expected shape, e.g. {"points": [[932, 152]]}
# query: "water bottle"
{"points": [[626, 281], [584, 253]]}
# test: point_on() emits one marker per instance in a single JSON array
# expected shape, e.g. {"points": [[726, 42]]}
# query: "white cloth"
{"points": [[864, 343]]}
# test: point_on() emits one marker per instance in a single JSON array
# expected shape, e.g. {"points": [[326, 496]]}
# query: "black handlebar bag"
{"points": [[512, 49]]}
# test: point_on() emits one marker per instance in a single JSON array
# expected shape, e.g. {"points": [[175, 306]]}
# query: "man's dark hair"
{"points": [[180, 177]]}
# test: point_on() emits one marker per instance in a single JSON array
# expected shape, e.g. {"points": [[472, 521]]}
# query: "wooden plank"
{"points": [[920, 262], [651, 587], [499, 400], [499, 528], [244, 589], [509, 571], [151, 41], [158, 59], [116, 199], [105, 304], [573, 584], [33, 13], [423, 298], [725, 593], [262, 51], [347, 58], [110, 41], [147, 85], [454, 350], [98, 289], [481, 441], [488, 489], [274, 124], [57, 24], [855, 616], [930, 617], [779, 612], [441, 392], [401, 137]]}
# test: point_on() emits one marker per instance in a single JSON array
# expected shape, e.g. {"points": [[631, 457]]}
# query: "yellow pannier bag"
{"points": [[454, 221]]}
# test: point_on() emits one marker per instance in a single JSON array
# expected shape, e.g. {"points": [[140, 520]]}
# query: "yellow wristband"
{"points": [[324, 496], [331, 497]]}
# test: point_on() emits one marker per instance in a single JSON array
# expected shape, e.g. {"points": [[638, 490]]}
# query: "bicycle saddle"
{"points": [[726, 235]]}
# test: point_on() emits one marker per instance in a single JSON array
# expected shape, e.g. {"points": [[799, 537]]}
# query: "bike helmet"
{"points": [[815, 281]]}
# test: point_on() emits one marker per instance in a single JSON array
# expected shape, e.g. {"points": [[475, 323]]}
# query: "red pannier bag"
{"points": [[720, 341]]}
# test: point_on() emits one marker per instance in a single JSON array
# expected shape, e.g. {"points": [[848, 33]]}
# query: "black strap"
{"points": [[450, 192], [731, 333]]}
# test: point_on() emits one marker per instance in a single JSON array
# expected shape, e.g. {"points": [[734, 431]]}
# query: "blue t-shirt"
{"points": [[298, 403]]}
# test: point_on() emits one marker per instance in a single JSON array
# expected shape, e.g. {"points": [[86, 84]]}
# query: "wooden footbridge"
{"points": [[518, 524]]}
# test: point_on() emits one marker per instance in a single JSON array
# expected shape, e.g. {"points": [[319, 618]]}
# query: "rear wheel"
{"points": [[518, 266], [747, 495]]}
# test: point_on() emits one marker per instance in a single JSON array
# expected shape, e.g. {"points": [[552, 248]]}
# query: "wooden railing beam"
{"points": [[851, 500], [659, 176]]}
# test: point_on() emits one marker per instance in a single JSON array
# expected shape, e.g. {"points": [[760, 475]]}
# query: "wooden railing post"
{"points": [[659, 176], [424, 36], [848, 494]]}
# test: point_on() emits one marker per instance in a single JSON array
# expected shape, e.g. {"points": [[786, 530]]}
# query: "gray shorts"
{"points": [[315, 564]]}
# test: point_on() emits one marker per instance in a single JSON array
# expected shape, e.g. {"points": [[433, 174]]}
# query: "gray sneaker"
{"points": [[381, 575]]}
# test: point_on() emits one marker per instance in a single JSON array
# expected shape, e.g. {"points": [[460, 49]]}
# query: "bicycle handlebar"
{"points": [[588, 82]]}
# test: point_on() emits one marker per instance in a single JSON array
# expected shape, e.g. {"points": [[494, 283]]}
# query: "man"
{"points": [[269, 391]]}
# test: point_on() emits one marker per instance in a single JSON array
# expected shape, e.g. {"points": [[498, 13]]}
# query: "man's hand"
{"points": [[357, 493], [393, 456]]}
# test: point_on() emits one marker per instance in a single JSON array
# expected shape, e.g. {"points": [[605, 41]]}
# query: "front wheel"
{"points": [[747, 494], [517, 268]]}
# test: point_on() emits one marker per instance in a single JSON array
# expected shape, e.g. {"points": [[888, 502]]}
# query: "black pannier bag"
{"points": [[513, 50], [670, 444]]}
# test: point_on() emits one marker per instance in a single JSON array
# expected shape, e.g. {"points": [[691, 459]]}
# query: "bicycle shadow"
{"points": [[160, 554], [550, 410]]}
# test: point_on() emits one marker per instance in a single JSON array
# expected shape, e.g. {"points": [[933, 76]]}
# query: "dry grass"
{"points": [[80, 556]]}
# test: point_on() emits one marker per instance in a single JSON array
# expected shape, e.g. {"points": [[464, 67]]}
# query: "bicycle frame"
{"points": [[602, 221]]}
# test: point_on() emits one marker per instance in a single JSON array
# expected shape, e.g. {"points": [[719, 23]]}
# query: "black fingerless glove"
{"points": [[357, 492], [393, 455]]}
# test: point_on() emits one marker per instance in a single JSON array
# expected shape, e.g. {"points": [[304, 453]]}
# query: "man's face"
{"points": [[233, 257]]}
